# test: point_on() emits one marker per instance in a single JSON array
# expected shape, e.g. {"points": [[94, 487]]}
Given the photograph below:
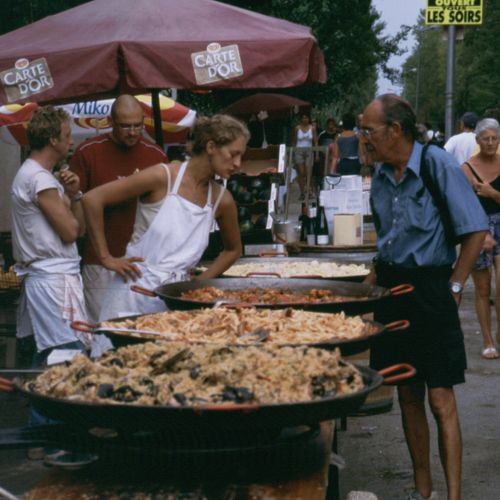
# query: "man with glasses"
{"points": [[414, 247], [102, 159]]}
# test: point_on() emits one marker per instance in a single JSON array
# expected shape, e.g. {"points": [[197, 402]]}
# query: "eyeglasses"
{"points": [[367, 132], [130, 126]]}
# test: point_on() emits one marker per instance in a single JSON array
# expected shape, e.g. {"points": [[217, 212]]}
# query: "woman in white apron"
{"points": [[176, 211]]}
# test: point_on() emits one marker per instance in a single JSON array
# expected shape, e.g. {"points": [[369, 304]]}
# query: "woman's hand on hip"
{"points": [[124, 266]]}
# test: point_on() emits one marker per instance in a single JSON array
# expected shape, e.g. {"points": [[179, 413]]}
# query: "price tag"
{"points": [[281, 160]]}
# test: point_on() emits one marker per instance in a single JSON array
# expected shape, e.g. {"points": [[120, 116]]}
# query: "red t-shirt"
{"points": [[100, 160]]}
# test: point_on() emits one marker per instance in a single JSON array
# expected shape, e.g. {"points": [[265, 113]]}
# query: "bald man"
{"points": [[102, 159]]}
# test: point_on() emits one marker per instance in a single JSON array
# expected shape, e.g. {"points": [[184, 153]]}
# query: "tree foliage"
{"points": [[477, 68]]}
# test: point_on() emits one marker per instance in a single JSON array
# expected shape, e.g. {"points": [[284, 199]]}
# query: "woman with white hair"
{"points": [[483, 172]]}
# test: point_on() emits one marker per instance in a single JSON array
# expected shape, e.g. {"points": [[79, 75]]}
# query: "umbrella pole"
{"points": [[155, 101]]}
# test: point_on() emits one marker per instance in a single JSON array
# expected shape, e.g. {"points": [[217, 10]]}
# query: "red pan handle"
{"points": [[6, 385], [272, 254], [407, 371], [402, 289], [395, 326], [142, 291], [307, 276], [83, 326], [249, 275]]}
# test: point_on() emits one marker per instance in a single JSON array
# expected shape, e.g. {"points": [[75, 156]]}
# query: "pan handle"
{"points": [[249, 275], [407, 371], [246, 407], [401, 289], [83, 326], [6, 385], [395, 326], [237, 305], [142, 290], [273, 254]]}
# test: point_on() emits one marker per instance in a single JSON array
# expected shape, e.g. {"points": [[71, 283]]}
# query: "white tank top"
{"points": [[173, 233], [171, 236], [304, 139]]}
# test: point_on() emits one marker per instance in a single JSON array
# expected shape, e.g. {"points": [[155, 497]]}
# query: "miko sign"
{"points": [[462, 12]]}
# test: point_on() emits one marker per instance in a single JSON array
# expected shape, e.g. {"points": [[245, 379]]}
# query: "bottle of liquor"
{"points": [[303, 221], [311, 226], [322, 237]]}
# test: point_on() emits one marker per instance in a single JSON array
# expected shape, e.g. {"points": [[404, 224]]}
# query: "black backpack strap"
{"points": [[473, 172], [437, 196]]}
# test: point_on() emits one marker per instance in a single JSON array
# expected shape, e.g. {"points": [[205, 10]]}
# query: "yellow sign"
{"points": [[463, 12]]}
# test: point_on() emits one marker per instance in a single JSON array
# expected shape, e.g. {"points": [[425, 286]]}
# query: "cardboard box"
{"points": [[347, 229]]}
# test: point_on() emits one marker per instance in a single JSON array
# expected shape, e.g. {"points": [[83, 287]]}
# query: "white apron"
{"points": [[171, 246], [51, 298]]}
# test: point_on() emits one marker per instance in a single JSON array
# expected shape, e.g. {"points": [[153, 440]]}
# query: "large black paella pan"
{"points": [[352, 298], [206, 418]]}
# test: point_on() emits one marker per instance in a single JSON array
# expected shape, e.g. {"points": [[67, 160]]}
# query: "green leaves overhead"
{"points": [[477, 68]]}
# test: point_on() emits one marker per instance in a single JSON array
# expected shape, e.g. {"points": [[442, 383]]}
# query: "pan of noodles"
{"points": [[236, 325], [295, 267]]}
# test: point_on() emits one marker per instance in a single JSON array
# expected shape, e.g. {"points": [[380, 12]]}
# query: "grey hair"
{"points": [[487, 124]]}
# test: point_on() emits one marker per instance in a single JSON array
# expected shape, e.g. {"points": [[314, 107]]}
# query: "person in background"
{"points": [[327, 136], [462, 145], [316, 127], [489, 113], [176, 210], [102, 159], [483, 172], [345, 151], [422, 135], [304, 138], [413, 247], [47, 218], [438, 136], [429, 131]]}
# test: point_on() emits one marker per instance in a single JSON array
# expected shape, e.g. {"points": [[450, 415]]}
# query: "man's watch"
{"points": [[456, 287]]}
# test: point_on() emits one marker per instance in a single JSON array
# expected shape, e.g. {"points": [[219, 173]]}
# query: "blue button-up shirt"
{"points": [[410, 232]]}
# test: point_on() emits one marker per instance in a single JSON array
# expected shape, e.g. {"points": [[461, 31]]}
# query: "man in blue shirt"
{"points": [[414, 247]]}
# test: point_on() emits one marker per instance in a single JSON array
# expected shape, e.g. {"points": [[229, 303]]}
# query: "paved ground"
{"points": [[375, 451]]}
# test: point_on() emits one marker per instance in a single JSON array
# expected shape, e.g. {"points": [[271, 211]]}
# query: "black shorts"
{"points": [[434, 343]]}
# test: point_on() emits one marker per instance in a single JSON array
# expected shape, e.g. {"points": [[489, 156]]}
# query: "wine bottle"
{"points": [[322, 237], [311, 226], [303, 221]]}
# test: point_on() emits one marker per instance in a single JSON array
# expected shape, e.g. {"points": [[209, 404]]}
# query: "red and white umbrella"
{"points": [[93, 117]]}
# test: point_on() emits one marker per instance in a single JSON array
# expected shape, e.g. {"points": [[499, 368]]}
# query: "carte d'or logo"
{"points": [[26, 79], [216, 63]]}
